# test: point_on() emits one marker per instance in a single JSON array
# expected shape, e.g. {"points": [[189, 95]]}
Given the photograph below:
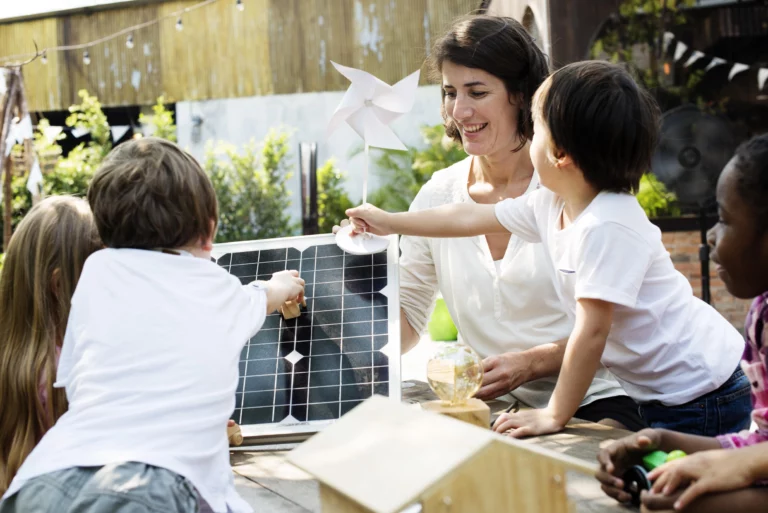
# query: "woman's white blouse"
{"points": [[495, 312]]}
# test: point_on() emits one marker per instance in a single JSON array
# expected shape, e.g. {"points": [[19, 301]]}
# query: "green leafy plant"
{"points": [[332, 200], [251, 188], [405, 172], [640, 22], [21, 202], [73, 173], [162, 123], [655, 199], [250, 184]]}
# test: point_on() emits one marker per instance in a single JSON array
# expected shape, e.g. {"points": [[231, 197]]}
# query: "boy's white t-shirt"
{"points": [[150, 367], [665, 344]]}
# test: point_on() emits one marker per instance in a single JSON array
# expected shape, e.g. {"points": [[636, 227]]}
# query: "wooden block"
{"points": [[235, 435], [474, 411], [292, 309]]}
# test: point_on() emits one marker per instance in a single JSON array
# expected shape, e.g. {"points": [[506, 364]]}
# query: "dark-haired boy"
{"points": [[150, 356]]}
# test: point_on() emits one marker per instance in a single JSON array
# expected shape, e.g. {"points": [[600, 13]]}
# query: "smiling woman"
{"points": [[498, 288]]}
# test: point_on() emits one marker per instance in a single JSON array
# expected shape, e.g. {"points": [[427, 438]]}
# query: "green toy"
{"points": [[636, 478], [676, 455]]}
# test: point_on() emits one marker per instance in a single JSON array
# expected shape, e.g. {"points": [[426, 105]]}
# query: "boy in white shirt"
{"points": [[150, 356], [595, 131]]}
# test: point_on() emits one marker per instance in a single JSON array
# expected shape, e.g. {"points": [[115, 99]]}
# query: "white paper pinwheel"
{"points": [[370, 105]]}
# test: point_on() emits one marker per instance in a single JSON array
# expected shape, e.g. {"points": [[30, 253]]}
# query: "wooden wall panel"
{"points": [[271, 47], [442, 13], [118, 75], [305, 35], [389, 39], [42, 81], [221, 53]]}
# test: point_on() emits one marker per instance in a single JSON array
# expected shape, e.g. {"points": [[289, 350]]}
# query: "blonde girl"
{"points": [[43, 262]]}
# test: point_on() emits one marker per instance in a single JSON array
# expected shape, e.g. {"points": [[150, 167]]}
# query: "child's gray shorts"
{"points": [[116, 488]]}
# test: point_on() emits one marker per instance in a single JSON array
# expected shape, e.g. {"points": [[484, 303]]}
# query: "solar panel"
{"points": [[299, 375]]}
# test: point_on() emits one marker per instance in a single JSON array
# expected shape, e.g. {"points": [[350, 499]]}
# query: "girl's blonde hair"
{"points": [[43, 263]]}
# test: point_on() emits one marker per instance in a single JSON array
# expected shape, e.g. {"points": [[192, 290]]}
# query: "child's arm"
{"points": [[622, 454], [580, 362], [452, 220], [718, 470], [745, 500]]}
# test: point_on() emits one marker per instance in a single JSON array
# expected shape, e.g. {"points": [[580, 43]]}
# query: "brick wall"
{"points": [[684, 248]]}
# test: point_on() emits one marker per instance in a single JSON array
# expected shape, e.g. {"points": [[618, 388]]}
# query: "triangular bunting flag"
{"points": [[15, 135], [119, 131], [762, 75], [716, 61], [77, 133], [52, 132], [25, 129], [695, 56], [680, 50], [736, 69], [10, 140], [35, 180], [668, 38]]}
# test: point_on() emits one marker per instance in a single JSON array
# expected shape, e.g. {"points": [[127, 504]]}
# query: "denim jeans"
{"points": [[125, 488], [725, 410]]}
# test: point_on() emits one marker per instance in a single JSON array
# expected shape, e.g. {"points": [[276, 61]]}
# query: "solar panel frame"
{"points": [[391, 349]]}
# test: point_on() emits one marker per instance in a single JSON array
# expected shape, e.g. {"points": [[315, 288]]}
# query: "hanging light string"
{"points": [[14, 60]]}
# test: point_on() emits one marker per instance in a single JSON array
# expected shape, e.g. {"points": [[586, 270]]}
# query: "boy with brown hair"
{"points": [[150, 356]]}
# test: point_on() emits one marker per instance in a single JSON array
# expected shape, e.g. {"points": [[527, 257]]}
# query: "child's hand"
{"points": [[234, 434], [367, 218], [284, 286], [719, 470], [622, 454], [658, 503], [527, 423]]}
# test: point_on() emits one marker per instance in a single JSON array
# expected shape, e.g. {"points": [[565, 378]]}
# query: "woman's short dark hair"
{"points": [[150, 194], [597, 115], [499, 46]]}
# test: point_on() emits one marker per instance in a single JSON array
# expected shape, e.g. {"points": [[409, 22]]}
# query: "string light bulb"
{"points": [[86, 58], [179, 25], [44, 57], [240, 5], [129, 41]]}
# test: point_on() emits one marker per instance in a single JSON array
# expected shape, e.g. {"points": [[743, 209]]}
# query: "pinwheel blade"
{"points": [[401, 96]]}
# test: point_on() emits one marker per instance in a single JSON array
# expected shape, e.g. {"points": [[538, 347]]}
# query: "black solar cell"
{"points": [[298, 374]]}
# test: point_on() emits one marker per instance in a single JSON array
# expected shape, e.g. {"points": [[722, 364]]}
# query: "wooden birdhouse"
{"points": [[385, 457]]}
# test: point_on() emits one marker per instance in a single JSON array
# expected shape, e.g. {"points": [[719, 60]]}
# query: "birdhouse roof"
{"points": [[382, 441]]}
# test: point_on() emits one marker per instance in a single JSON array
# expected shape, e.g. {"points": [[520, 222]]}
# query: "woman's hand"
{"points": [[367, 218], [621, 455], [502, 374], [342, 224], [719, 470], [528, 423]]}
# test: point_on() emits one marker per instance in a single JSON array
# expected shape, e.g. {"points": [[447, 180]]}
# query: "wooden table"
{"points": [[269, 483]]}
